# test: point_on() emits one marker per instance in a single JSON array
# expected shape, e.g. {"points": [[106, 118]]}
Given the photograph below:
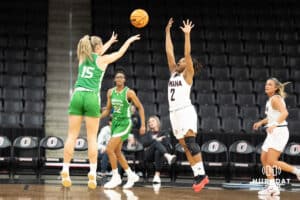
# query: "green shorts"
{"points": [[85, 103], [121, 128]]}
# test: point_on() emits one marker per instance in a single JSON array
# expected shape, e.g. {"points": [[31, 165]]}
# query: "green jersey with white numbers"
{"points": [[120, 104], [89, 75]]}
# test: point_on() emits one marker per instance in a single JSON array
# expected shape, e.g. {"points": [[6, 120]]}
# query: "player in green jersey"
{"points": [[85, 102], [119, 100]]}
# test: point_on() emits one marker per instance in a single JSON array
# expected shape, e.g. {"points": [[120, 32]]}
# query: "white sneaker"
{"points": [[114, 182], [65, 179], [170, 158], [156, 188], [156, 180], [132, 178], [270, 190], [267, 197], [130, 195], [112, 194], [92, 183]]}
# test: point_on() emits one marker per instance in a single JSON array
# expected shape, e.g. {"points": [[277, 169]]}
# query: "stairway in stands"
{"points": [[68, 22]]}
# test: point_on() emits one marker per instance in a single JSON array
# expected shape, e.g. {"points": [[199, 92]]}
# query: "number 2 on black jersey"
{"points": [[172, 94]]}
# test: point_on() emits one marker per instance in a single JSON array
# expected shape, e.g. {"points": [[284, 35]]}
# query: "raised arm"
{"points": [[189, 70], [104, 60], [112, 40], [135, 100], [169, 47], [107, 110]]}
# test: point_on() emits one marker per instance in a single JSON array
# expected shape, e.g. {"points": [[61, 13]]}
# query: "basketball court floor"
{"points": [[51, 191]]}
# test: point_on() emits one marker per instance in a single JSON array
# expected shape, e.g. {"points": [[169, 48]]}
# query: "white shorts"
{"points": [[276, 140], [183, 120]]}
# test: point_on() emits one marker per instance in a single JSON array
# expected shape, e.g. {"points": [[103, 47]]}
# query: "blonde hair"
{"points": [[84, 48], [280, 87], [156, 119], [95, 40]]}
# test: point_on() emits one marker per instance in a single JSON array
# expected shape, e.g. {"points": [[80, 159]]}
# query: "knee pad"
{"points": [[192, 146]]}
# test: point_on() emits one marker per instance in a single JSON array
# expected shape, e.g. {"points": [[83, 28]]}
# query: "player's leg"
{"points": [[73, 132], [92, 125], [110, 150]]}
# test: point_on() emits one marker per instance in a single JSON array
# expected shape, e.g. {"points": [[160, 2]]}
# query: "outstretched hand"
{"points": [[113, 38], [187, 26], [134, 38], [169, 25]]}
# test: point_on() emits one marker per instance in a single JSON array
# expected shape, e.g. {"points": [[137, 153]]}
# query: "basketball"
{"points": [[139, 18]]}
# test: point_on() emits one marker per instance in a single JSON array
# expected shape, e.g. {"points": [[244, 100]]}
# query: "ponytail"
{"points": [[280, 87], [95, 40], [84, 48]]}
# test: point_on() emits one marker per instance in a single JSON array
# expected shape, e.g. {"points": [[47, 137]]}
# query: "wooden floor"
{"points": [[80, 192]]}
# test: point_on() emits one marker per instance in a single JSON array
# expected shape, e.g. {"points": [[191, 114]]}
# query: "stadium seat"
{"points": [[215, 157], [5, 155], [50, 165], [25, 156], [242, 159]]}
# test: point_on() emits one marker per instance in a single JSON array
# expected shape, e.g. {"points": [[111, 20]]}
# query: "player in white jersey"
{"points": [[182, 113], [277, 135]]}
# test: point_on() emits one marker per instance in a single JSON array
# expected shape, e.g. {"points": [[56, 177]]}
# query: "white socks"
{"points": [[93, 168], [66, 167], [115, 172], [198, 169], [128, 171], [272, 182]]}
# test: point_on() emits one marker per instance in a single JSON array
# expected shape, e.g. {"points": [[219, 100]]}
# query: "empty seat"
{"points": [[243, 87], [217, 60], [32, 120], [14, 68], [14, 54], [253, 47], [208, 111], [161, 85], [261, 100], [220, 73], [35, 68], [13, 81], [34, 106], [225, 98], [13, 106], [291, 101], [144, 84], [203, 86], [257, 61], [141, 57], [210, 125], [10, 120], [143, 71], [12, 93], [231, 125], [223, 86], [34, 94], [215, 46], [33, 81], [294, 127], [25, 154], [234, 47], [272, 48], [150, 108], [251, 112], [35, 55], [258, 73], [282, 73], [146, 96], [245, 99], [293, 62], [240, 73], [205, 98], [227, 111], [259, 86], [238, 60], [242, 158], [247, 125]]}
